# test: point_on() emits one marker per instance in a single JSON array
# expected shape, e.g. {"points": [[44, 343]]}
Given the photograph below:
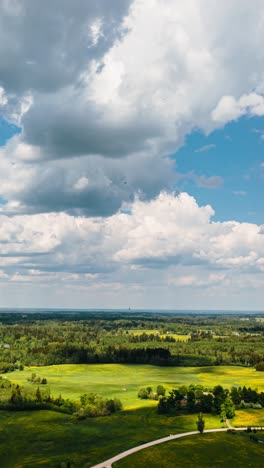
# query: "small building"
{"points": [[183, 401], [6, 345]]}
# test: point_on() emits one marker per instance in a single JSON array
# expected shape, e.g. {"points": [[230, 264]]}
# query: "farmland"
{"points": [[114, 356], [124, 380]]}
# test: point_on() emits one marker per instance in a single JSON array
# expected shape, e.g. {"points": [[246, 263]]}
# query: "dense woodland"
{"points": [[159, 339]]}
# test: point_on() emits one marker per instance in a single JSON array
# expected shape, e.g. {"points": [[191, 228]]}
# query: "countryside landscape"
{"points": [[131, 234], [85, 386]]}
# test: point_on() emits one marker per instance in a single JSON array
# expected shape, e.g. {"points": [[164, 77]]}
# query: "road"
{"points": [[108, 463]]}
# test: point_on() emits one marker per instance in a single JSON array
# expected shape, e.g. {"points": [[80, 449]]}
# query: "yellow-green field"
{"points": [[56, 438], [249, 417], [176, 336], [123, 380], [206, 451]]}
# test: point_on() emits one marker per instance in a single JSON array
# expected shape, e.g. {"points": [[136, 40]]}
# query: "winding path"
{"points": [[108, 463]]}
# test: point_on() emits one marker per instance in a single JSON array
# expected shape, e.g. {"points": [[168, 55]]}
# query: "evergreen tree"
{"points": [[200, 423]]}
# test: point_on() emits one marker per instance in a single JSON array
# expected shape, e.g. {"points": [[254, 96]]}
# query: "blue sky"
{"points": [[101, 203], [7, 130], [235, 153]]}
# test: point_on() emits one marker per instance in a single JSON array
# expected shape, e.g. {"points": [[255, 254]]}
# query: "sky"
{"points": [[132, 154]]}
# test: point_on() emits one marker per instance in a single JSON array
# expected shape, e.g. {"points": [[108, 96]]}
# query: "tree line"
{"points": [[197, 399], [16, 398]]}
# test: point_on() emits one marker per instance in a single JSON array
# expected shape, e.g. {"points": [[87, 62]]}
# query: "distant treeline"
{"points": [[111, 339]]}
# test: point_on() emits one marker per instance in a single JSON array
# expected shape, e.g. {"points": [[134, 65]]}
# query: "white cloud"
{"points": [[116, 91], [229, 108], [169, 230], [205, 148], [160, 249], [3, 98]]}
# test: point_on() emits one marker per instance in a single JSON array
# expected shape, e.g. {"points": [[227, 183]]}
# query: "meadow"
{"points": [[206, 450], [56, 438], [124, 380], [176, 336]]}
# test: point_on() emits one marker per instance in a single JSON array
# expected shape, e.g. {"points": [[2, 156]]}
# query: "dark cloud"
{"points": [[65, 125], [49, 43], [90, 186]]}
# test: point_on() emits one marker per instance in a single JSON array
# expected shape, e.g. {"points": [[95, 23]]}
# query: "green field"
{"points": [[56, 438], [149, 331], [124, 381], [249, 417], [46, 438], [206, 450]]}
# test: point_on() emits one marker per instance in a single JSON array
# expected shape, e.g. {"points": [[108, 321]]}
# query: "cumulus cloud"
{"points": [[103, 93], [229, 108], [124, 79], [169, 230], [91, 186], [159, 247]]}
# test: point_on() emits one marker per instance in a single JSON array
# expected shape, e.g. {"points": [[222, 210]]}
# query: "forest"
{"points": [[136, 338]]}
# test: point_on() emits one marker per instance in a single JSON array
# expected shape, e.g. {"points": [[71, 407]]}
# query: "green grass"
{"points": [[206, 450], [45, 438], [248, 417], [124, 381], [177, 337]]}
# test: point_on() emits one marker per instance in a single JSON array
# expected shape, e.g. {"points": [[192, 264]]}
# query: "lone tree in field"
{"points": [[200, 423]]}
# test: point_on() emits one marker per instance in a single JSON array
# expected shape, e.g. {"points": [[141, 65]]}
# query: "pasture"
{"points": [[206, 450], [123, 380], [56, 437]]}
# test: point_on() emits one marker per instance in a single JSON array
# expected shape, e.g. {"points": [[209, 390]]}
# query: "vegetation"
{"points": [[200, 423], [124, 381], [56, 437], [210, 450], [85, 364], [143, 338], [16, 398]]}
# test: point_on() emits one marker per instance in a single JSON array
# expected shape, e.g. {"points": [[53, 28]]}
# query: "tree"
{"points": [[220, 396], [229, 408], [200, 423], [38, 395], [191, 400], [160, 390], [143, 394], [223, 412]]}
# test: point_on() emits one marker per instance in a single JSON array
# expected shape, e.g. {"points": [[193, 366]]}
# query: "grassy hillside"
{"points": [[124, 381], [45, 438], [207, 450]]}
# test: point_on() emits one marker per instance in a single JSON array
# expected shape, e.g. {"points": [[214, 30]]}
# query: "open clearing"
{"points": [[123, 380], [149, 331], [206, 450]]}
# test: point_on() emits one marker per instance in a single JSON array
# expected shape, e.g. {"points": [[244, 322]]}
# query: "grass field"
{"points": [[45, 438], [124, 381], [206, 450], [56, 438], [176, 336], [249, 417]]}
